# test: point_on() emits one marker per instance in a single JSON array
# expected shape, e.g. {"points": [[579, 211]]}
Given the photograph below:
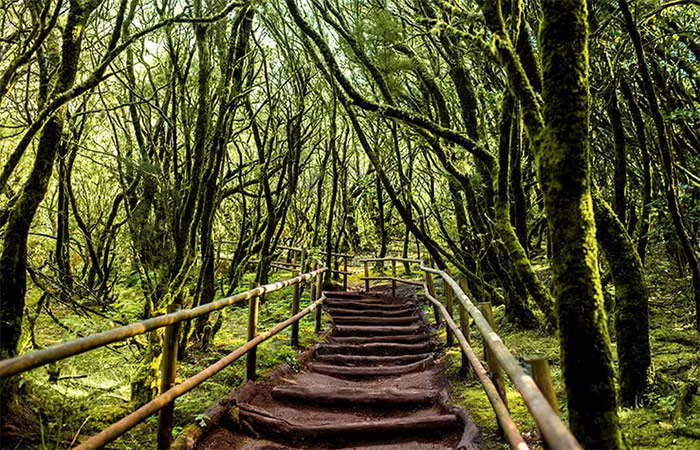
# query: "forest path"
{"points": [[374, 385]]}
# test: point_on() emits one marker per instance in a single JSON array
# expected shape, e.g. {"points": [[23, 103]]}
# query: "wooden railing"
{"points": [[536, 390], [393, 278], [297, 255], [165, 402]]}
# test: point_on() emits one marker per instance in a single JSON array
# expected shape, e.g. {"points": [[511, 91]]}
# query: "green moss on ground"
{"points": [[675, 360], [53, 413]]}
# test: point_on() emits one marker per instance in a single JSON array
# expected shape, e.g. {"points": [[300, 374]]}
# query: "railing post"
{"points": [[168, 370], [464, 325], [494, 366], [431, 290], [366, 264], [393, 274], [345, 274], [304, 256], [543, 378], [450, 309], [318, 294], [251, 356], [294, 334]]}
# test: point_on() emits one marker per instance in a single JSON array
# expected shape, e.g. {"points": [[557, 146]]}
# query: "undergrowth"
{"points": [[654, 424], [93, 389]]}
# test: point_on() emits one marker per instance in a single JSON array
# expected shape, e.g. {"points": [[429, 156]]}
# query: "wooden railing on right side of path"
{"points": [[536, 390]]}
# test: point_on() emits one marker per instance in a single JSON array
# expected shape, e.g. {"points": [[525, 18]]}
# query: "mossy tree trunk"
{"points": [[635, 112], [620, 164], [631, 302], [666, 157], [564, 170], [506, 231], [558, 128], [13, 255]]}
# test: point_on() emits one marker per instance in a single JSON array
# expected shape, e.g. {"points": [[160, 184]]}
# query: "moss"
{"points": [[565, 178], [631, 303], [512, 244]]}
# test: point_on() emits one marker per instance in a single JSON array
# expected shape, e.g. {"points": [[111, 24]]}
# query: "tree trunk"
{"points": [[631, 302], [665, 150], [13, 256], [643, 228], [565, 178]]}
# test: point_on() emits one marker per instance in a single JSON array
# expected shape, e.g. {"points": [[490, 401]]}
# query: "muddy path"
{"points": [[374, 385]]}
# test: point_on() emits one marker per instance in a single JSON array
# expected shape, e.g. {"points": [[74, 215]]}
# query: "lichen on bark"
{"points": [[564, 170]]}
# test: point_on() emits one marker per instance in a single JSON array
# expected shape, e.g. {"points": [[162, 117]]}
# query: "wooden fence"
{"points": [[536, 390], [165, 402]]}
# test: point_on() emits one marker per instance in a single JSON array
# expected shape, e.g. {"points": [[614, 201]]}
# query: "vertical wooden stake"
{"points": [[294, 334], [366, 275], [345, 275], [494, 366], [393, 274], [431, 290], [168, 370], [319, 293], [304, 263], [543, 378], [464, 326], [251, 356], [450, 310]]}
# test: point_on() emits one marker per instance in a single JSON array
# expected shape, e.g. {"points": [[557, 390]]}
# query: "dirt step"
{"points": [[343, 295], [399, 339], [378, 349], [370, 371], [223, 438], [367, 360], [385, 397], [366, 305], [371, 312], [367, 320], [364, 330], [328, 433]]}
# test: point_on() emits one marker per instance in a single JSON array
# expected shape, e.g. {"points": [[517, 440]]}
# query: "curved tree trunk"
{"points": [[13, 255], [631, 302]]}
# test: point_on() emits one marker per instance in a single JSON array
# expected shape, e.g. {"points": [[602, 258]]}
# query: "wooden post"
{"points": [[494, 366], [450, 310], [345, 275], [431, 290], [168, 370], [251, 356], [543, 378], [319, 293], [366, 275], [294, 334], [464, 325], [304, 256], [393, 274]]}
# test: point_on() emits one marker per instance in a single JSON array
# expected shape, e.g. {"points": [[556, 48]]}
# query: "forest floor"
{"points": [[655, 424], [92, 390]]}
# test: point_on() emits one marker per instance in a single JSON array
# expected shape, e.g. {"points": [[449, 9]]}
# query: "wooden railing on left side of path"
{"points": [[165, 402]]}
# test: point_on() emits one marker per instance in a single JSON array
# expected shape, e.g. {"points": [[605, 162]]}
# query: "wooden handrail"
{"points": [[510, 430], [125, 424], [286, 247], [553, 429], [407, 260], [399, 280], [342, 255], [57, 352]]}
